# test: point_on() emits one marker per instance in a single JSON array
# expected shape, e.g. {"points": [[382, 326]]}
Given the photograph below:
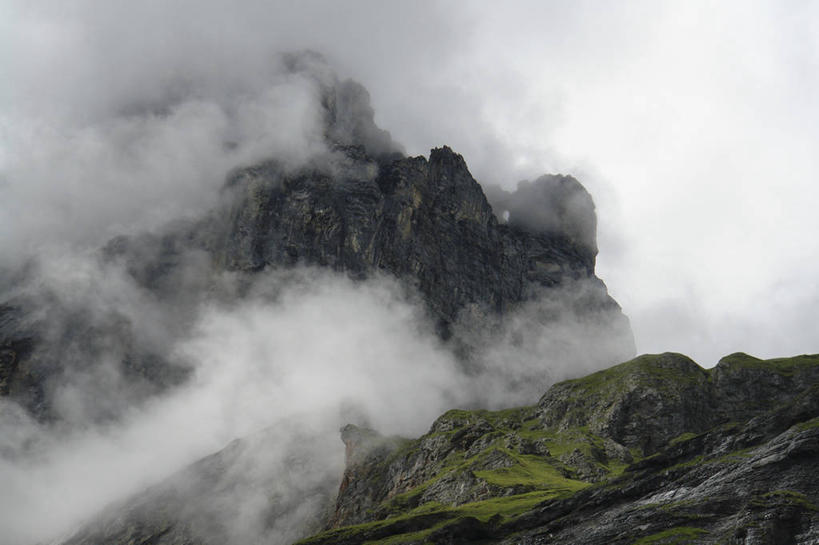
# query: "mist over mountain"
{"points": [[327, 279]]}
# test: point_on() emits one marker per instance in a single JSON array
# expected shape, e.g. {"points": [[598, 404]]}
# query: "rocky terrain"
{"points": [[654, 450]]}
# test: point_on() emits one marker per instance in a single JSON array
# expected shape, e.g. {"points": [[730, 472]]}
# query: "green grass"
{"points": [[506, 419], [534, 472], [506, 508], [412, 537], [527, 471], [617, 468], [683, 437], [790, 497], [404, 501], [735, 456], [730, 458], [344, 532], [808, 425], [673, 536], [647, 366], [782, 366], [566, 442], [541, 478]]}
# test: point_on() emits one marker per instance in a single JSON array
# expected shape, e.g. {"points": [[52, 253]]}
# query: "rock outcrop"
{"points": [[424, 220]]}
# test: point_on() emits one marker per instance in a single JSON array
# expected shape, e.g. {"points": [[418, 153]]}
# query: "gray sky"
{"points": [[693, 125]]}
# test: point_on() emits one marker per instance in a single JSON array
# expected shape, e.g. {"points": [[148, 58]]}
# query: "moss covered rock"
{"points": [[655, 450], [642, 403]]}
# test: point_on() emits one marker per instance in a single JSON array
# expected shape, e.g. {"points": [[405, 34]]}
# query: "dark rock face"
{"points": [[424, 220], [364, 450], [642, 403], [745, 386], [648, 401], [15, 347], [726, 455], [361, 208]]}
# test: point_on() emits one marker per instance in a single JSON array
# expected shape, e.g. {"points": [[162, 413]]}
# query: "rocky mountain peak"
{"points": [[423, 220]]}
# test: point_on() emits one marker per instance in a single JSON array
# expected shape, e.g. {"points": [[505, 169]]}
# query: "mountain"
{"points": [[359, 207], [654, 450]]}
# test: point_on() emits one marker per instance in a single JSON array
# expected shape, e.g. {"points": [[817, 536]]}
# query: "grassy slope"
{"points": [[544, 477]]}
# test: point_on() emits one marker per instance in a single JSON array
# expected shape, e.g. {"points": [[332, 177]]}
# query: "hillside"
{"points": [[654, 450]]}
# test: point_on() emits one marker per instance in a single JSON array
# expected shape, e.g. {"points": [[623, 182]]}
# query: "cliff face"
{"points": [[425, 221], [655, 450]]}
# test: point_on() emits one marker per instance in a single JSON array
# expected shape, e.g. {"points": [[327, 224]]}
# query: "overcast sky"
{"points": [[693, 124]]}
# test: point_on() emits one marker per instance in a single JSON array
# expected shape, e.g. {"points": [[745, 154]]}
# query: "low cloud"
{"points": [[285, 356]]}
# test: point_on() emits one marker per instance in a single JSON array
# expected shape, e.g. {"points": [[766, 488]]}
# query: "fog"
{"points": [[305, 345], [288, 357], [79, 184], [690, 125]]}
